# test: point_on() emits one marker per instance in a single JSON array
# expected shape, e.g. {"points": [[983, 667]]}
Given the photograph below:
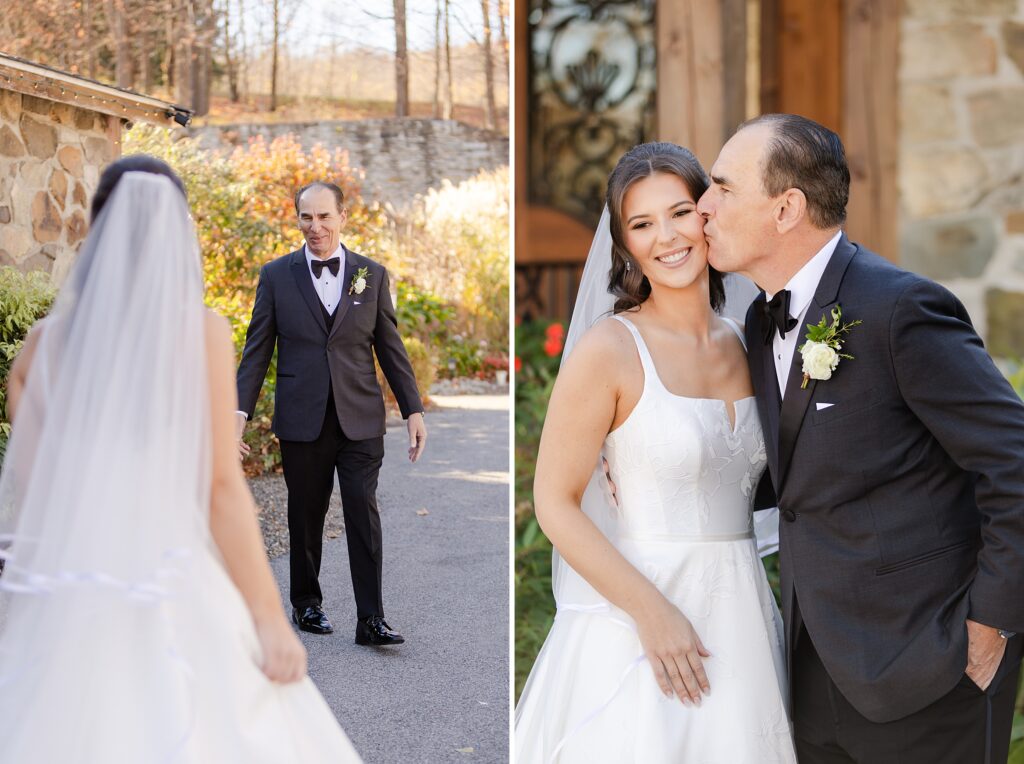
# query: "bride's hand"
{"points": [[284, 657], [675, 652]]}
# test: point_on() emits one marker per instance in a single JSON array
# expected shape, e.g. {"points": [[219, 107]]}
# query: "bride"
{"points": [[667, 645], [142, 621]]}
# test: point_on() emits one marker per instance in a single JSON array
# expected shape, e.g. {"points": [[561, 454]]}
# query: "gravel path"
{"points": [[443, 695]]}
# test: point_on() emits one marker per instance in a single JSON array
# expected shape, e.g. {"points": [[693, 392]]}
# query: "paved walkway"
{"points": [[443, 695]]}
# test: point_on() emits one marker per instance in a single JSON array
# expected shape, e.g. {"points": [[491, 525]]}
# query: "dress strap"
{"points": [[650, 372], [736, 328]]}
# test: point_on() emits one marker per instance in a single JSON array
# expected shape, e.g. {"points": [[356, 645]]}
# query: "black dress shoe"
{"points": [[312, 619], [374, 630]]}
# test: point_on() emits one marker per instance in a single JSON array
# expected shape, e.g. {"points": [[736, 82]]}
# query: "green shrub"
{"points": [[538, 350], [423, 314], [24, 299], [424, 367]]}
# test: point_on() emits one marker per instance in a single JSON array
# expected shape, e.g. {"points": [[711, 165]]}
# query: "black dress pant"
{"points": [[309, 469], [965, 726]]}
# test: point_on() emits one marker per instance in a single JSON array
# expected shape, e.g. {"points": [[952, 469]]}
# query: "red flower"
{"points": [[553, 346], [555, 332], [519, 364]]}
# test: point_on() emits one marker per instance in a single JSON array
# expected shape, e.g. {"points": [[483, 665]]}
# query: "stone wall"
{"points": [[961, 168], [51, 155], [401, 157]]}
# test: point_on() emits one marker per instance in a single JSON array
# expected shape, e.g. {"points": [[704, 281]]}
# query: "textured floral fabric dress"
{"points": [[686, 478]]}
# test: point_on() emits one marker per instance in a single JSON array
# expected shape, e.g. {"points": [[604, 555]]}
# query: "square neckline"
{"points": [[643, 348]]}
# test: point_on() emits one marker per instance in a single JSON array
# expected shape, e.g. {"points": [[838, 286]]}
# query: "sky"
{"points": [[366, 23]]}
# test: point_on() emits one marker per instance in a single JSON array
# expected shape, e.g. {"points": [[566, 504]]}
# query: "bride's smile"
{"points": [[663, 231]]}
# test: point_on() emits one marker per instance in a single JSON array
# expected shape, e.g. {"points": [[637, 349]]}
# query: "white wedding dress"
{"points": [[685, 477], [123, 639]]}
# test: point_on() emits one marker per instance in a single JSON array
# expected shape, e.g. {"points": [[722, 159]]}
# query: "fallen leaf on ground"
{"points": [[464, 750], [422, 512]]}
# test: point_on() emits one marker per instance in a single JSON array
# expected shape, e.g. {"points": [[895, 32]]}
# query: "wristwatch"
{"points": [[1007, 634]]}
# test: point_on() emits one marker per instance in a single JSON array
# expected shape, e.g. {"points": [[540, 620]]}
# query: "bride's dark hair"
{"points": [[629, 285], [133, 163]]}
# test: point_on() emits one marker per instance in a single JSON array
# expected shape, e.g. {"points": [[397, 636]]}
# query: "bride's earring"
{"points": [[628, 267]]}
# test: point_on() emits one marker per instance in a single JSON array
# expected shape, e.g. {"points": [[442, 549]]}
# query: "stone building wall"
{"points": [[961, 172], [51, 155], [401, 157]]}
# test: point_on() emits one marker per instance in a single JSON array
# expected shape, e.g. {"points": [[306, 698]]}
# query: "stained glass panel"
{"points": [[592, 83]]}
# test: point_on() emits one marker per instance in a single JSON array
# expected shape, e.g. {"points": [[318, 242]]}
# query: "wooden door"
{"points": [[836, 62]]}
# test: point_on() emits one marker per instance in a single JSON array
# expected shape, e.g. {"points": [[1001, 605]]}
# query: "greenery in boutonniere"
{"points": [[821, 351]]}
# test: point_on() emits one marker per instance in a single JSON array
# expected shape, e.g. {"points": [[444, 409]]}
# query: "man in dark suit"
{"points": [[899, 471], [328, 311]]}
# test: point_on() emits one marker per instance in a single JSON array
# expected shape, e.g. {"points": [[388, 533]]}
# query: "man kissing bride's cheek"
{"points": [[848, 399]]}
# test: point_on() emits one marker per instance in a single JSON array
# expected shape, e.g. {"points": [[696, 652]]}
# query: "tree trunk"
{"points": [[87, 40], [490, 112], [401, 62], [244, 63], [503, 34], [169, 44], [120, 42], [145, 61], [202, 55], [230, 65], [447, 105], [273, 62], [184, 39], [437, 61]]}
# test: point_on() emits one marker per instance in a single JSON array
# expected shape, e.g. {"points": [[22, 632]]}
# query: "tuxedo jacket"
{"points": [[314, 362], [902, 503]]}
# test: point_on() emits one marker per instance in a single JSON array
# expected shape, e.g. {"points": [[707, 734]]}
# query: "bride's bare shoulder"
{"points": [[606, 341]]}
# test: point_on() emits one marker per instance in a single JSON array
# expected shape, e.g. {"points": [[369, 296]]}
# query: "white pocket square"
{"points": [[820, 406], [356, 302]]}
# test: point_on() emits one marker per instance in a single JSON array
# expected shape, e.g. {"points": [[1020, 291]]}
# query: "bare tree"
{"points": [[437, 60], [503, 33], [87, 39], [120, 42], [202, 54], [230, 63], [244, 79], [273, 64], [184, 38], [401, 62], [447, 104], [490, 112], [169, 46]]}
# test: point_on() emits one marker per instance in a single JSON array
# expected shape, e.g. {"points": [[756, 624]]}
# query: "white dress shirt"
{"points": [[327, 287], [801, 288]]}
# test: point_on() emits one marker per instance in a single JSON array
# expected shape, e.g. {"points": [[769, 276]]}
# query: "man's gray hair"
{"points": [[339, 195], [805, 155]]}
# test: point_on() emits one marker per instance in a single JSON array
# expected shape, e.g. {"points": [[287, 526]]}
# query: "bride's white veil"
{"points": [[105, 486], [594, 301]]}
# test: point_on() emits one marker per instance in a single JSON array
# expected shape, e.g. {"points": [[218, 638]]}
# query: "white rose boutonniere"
{"points": [[820, 360], [359, 281], [821, 352]]}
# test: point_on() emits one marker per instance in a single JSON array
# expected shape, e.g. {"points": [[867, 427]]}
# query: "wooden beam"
{"points": [[870, 128], [43, 82]]}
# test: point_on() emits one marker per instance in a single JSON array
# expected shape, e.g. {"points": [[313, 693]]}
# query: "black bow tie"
{"points": [[775, 316], [318, 266]]}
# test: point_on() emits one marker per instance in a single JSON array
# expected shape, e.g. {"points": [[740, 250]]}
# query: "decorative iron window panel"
{"points": [[592, 96]]}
